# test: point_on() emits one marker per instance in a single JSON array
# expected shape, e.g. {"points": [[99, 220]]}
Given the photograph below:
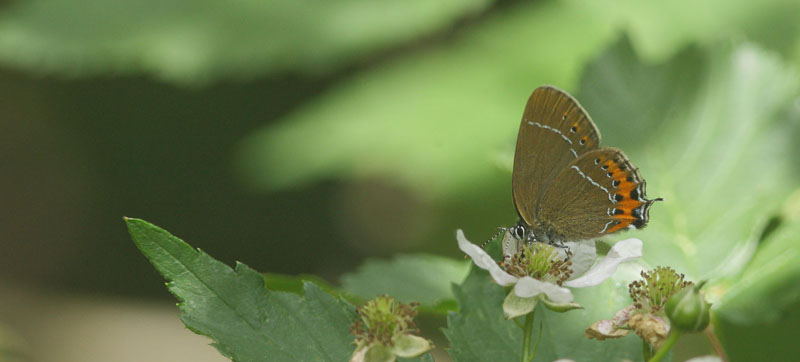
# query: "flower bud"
{"points": [[688, 310]]}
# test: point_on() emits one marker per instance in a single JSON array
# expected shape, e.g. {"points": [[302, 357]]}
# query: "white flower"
{"points": [[571, 266]]}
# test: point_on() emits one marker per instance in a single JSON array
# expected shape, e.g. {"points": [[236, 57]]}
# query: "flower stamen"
{"points": [[657, 285], [540, 261]]}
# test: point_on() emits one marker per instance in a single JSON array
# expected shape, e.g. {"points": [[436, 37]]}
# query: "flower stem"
{"points": [[538, 338], [715, 343], [526, 338], [647, 351], [666, 347]]}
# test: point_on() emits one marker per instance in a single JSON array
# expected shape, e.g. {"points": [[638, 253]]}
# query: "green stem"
{"points": [[538, 338], [673, 337], [647, 351], [526, 337]]}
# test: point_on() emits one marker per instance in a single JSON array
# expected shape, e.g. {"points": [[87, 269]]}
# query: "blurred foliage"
{"points": [[471, 91], [426, 279], [425, 120], [196, 41], [768, 285]]}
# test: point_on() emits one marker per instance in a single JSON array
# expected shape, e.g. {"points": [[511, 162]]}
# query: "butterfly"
{"points": [[565, 186]]}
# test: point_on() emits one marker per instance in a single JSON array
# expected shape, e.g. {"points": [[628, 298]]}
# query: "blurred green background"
{"points": [[305, 137]]}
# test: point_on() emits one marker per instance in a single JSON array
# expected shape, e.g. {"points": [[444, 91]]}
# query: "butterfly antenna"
{"points": [[500, 231]]}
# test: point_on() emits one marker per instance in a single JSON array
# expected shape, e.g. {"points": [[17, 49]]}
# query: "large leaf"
{"points": [[715, 148], [713, 134], [232, 306], [193, 41], [425, 279]]}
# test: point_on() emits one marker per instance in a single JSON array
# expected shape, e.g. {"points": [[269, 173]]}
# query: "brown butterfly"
{"points": [[565, 186]]}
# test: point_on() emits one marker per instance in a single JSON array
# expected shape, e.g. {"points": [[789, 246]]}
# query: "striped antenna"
{"points": [[500, 231]]}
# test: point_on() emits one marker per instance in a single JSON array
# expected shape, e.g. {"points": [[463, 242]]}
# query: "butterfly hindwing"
{"points": [[599, 193]]}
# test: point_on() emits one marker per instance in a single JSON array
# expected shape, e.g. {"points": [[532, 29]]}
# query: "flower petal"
{"points": [[375, 352], [705, 359], [561, 307], [614, 328], [604, 329], [484, 261], [621, 252], [528, 287], [409, 346], [584, 254], [514, 306]]}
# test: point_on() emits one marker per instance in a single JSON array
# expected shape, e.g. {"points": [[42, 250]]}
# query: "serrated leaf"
{"points": [[419, 278], [195, 41], [232, 306]]}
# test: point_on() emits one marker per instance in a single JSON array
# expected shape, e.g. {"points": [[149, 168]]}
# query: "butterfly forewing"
{"points": [[599, 193], [554, 132]]}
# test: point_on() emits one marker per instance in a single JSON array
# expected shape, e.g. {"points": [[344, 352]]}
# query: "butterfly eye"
{"points": [[573, 129], [519, 232]]}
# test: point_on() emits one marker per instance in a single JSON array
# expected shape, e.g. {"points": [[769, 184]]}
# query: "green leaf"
{"points": [[196, 41], [419, 278], [479, 332], [769, 282], [713, 133], [246, 321], [781, 337]]}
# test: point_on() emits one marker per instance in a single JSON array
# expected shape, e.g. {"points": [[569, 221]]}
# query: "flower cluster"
{"points": [[646, 316]]}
